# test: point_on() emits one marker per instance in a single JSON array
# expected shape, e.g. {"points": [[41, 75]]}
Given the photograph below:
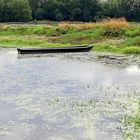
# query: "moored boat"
{"points": [[71, 49]]}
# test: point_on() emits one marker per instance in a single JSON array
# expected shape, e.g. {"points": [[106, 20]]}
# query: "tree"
{"points": [[76, 14], [20, 10], [79, 10], [86, 14], [39, 14], [15, 10], [59, 17], [35, 7], [111, 8], [131, 9], [2, 8]]}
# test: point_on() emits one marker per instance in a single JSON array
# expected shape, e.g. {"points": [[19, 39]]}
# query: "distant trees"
{"points": [[111, 8], [79, 10], [15, 10], [74, 10], [2, 9], [129, 9], [19, 10]]}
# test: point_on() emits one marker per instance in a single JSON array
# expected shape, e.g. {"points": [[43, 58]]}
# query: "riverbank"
{"points": [[116, 35]]}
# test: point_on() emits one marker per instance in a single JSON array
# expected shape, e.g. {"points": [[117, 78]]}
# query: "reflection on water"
{"points": [[65, 96], [134, 69]]}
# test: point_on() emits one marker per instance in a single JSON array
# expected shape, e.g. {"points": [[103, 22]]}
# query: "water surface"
{"points": [[81, 96]]}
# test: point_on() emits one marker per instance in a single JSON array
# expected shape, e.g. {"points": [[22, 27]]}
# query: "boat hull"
{"points": [[54, 50]]}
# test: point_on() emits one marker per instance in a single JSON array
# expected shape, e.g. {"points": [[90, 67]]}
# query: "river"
{"points": [[81, 96]]}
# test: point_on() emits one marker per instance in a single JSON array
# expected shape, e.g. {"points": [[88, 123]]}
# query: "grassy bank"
{"points": [[115, 35]]}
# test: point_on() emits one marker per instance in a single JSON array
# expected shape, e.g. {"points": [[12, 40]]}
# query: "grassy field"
{"points": [[114, 35]]}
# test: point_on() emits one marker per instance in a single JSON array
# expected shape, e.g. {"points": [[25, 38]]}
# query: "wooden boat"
{"points": [[55, 50]]}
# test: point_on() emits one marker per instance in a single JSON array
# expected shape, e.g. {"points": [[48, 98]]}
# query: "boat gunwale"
{"points": [[67, 49], [56, 48]]}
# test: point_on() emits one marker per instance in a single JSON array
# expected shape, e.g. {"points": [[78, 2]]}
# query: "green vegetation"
{"points": [[133, 122], [15, 10], [115, 35], [68, 10]]}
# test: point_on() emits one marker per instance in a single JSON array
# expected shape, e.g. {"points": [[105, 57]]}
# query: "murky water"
{"points": [[79, 96]]}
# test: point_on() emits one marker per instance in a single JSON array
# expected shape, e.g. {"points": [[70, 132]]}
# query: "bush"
{"points": [[113, 32], [131, 50]]}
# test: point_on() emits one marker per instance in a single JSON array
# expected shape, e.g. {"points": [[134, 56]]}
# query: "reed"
{"points": [[107, 23]]}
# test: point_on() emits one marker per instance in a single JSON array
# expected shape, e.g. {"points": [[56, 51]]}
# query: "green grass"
{"points": [[117, 40], [134, 123], [131, 50], [135, 41], [105, 48]]}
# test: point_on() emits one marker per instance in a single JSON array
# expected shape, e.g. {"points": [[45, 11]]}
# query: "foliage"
{"points": [[69, 10], [87, 10], [106, 48], [133, 121], [132, 50], [117, 36], [15, 10], [130, 9], [134, 41]]}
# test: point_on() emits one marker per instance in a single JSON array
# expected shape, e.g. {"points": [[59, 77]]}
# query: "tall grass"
{"points": [[114, 35], [107, 23], [111, 27], [27, 30]]}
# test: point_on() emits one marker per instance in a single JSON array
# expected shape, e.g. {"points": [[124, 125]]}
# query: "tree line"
{"points": [[72, 10]]}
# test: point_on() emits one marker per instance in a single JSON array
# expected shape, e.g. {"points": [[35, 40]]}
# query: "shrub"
{"points": [[131, 50], [113, 32]]}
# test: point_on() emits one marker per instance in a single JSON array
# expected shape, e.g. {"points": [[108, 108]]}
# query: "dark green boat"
{"points": [[71, 49]]}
